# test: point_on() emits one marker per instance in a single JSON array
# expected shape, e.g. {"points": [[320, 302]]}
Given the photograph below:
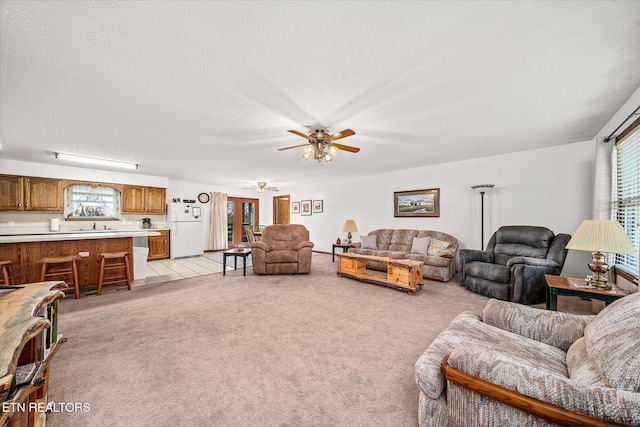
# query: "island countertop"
{"points": [[76, 235]]}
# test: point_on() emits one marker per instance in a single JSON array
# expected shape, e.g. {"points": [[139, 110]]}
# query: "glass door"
{"points": [[241, 212]]}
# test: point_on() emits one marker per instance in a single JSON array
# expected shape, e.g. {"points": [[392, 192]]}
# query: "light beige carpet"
{"points": [[307, 350]]}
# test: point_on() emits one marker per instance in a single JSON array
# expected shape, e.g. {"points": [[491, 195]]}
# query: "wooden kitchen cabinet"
{"points": [[155, 200], [132, 199], [43, 194], [159, 246], [23, 193], [143, 200]]}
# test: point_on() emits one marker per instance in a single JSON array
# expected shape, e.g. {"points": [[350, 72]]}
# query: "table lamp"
{"points": [[349, 226], [600, 236]]}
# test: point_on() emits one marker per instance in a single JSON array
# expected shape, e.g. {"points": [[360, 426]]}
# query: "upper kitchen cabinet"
{"points": [[155, 200], [19, 193], [141, 200]]}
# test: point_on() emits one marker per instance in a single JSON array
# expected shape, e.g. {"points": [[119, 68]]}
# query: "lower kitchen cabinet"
{"points": [[159, 246]]}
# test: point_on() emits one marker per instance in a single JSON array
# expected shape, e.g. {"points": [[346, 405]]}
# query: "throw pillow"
{"points": [[420, 245], [436, 246], [369, 242]]}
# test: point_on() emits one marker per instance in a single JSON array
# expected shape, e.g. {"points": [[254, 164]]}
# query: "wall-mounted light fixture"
{"points": [[94, 161]]}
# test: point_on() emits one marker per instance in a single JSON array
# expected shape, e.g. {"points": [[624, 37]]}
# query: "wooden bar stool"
{"points": [[7, 273], [118, 262], [61, 267]]}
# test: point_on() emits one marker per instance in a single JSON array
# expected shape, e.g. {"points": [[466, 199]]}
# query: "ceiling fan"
{"points": [[262, 187], [321, 144]]}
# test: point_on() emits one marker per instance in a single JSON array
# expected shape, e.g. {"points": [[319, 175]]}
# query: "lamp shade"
{"points": [[601, 236], [349, 226]]}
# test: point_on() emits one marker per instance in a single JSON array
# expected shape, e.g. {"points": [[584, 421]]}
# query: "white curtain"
{"points": [[218, 222], [603, 179]]}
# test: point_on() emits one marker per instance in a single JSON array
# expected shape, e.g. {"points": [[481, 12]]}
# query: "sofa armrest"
{"points": [[620, 407], [261, 245], [535, 262], [470, 255], [356, 245], [550, 327], [450, 252], [304, 245]]}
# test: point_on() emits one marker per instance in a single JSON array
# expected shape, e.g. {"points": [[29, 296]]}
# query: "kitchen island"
{"points": [[24, 250]]}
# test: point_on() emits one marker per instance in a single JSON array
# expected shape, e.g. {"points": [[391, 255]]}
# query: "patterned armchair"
{"points": [[284, 249], [515, 263], [519, 365]]}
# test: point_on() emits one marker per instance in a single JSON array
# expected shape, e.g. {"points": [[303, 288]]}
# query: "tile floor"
{"points": [[165, 270]]}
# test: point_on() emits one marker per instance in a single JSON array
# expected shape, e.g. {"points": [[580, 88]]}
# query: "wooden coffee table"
{"points": [[571, 286], [403, 274]]}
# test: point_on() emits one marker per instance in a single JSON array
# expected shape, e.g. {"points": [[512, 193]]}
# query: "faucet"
{"points": [[105, 227], [94, 225]]}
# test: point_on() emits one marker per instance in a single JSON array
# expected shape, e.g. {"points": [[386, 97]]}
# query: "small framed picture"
{"points": [[317, 206], [295, 207], [305, 207]]}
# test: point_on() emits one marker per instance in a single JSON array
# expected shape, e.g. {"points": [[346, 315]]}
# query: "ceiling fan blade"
{"points": [[345, 133], [295, 132], [347, 148], [295, 146], [271, 189]]}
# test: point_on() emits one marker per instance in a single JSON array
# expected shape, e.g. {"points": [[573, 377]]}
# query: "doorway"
{"points": [[281, 209], [241, 212]]}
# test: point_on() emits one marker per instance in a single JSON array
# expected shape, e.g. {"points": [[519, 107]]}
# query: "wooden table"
{"points": [[402, 274], [571, 286], [235, 253], [345, 248]]}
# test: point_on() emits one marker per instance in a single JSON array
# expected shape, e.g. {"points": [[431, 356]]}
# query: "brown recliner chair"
{"points": [[284, 249]]}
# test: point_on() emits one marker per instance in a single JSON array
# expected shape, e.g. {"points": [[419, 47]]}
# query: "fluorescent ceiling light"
{"points": [[94, 161]]}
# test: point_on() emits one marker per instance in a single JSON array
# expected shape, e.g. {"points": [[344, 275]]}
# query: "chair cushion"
{"points": [[492, 272], [528, 241], [613, 343], [280, 256]]}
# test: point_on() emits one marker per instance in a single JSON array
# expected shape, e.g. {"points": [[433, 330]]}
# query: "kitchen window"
{"points": [[86, 202]]}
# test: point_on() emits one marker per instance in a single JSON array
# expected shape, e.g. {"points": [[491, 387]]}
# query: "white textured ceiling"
{"points": [[205, 91]]}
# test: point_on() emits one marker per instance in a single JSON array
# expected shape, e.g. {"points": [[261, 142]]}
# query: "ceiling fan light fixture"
{"points": [[333, 150]]}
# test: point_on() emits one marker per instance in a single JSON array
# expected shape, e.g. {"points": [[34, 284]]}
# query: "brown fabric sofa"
{"points": [[283, 249], [583, 364], [439, 261]]}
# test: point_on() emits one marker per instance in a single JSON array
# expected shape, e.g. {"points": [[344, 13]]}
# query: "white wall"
{"points": [[549, 187], [15, 167]]}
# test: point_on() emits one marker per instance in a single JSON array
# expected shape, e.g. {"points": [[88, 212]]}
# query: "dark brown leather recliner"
{"points": [[515, 263], [284, 249]]}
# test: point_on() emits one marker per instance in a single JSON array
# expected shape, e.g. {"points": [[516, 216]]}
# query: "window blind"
{"points": [[626, 205]]}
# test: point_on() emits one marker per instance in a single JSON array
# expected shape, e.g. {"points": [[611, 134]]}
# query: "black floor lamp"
{"points": [[482, 188]]}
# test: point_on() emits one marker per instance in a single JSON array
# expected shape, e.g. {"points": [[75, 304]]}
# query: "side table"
{"points": [[571, 286], [235, 253], [333, 250]]}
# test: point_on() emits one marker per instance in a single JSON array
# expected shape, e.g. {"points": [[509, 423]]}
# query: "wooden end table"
{"points": [[345, 248], [235, 253], [571, 286]]}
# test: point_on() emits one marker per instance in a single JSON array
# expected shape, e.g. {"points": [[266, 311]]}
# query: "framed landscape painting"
{"points": [[295, 207], [305, 207], [417, 203]]}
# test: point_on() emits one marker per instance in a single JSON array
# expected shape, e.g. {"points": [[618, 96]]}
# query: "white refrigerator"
{"points": [[187, 229]]}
